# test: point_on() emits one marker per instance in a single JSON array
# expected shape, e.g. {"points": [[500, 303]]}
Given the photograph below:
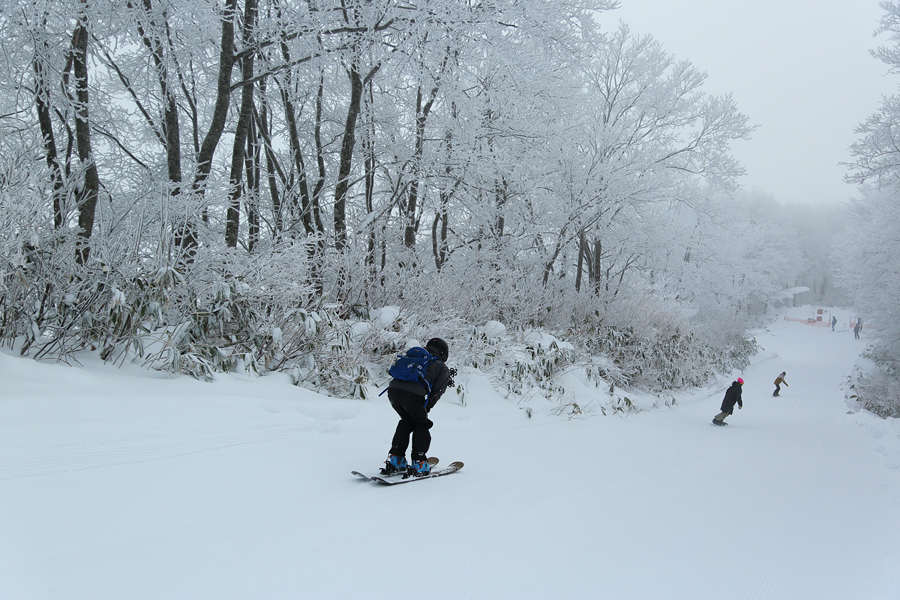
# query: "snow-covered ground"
{"points": [[122, 483]]}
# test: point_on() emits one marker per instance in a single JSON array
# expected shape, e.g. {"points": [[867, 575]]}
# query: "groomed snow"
{"points": [[123, 483]]}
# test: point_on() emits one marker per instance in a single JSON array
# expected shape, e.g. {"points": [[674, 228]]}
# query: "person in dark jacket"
{"points": [[413, 402], [732, 397]]}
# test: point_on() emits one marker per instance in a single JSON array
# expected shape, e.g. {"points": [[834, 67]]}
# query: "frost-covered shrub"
{"points": [[656, 345], [244, 313], [224, 311], [648, 343], [664, 360], [868, 255], [36, 260], [875, 387], [538, 367]]}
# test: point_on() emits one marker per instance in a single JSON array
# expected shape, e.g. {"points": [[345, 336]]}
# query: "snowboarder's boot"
{"points": [[395, 465], [420, 467], [716, 422]]}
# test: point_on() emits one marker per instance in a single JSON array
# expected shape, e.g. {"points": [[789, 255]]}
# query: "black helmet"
{"points": [[440, 348]]}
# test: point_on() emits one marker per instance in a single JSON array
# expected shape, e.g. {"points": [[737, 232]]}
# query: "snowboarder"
{"points": [[732, 397], [778, 381], [413, 401], [833, 322], [857, 328]]}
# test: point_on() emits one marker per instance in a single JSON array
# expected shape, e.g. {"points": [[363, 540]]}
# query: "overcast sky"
{"points": [[800, 69]]}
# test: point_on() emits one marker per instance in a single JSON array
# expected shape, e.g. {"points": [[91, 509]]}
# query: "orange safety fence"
{"points": [[811, 321], [825, 323]]}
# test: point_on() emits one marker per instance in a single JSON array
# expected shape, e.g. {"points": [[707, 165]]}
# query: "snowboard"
{"points": [[722, 424], [432, 460], [406, 478]]}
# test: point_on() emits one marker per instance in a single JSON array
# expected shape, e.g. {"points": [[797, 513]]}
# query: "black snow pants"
{"points": [[413, 420]]}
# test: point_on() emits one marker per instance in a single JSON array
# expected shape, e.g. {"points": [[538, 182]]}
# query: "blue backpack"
{"points": [[413, 366]]}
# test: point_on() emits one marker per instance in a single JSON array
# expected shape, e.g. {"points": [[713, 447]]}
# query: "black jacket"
{"points": [[732, 397], [438, 374]]}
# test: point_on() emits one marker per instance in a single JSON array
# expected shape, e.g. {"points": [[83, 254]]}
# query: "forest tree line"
{"points": [[226, 183], [868, 249]]}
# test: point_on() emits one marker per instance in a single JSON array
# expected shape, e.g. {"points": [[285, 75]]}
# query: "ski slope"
{"points": [[122, 483]]}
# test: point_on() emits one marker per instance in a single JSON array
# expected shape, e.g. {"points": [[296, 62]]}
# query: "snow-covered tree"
{"points": [[870, 250], [465, 161]]}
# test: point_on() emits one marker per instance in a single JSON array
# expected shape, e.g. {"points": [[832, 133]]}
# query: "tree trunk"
{"points": [[316, 197], [264, 127], [369, 153], [346, 160], [223, 97], [357, 82], [87, 198], [303, 211], [596, 272], [187, 237], [42, 103], [171, 129], [439, 233], [439, 245], [233, 214], [422, 112], [152, 38], [582, 250], [253, 185], [317, 255]]}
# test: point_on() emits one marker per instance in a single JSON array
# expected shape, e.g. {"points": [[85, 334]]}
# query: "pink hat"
{"points": [[740, 381]]}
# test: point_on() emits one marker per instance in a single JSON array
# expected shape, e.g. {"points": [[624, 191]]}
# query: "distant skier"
{"points": [[778, 381], [732, 397], [857, 328], [413, 400], [833, 322]]}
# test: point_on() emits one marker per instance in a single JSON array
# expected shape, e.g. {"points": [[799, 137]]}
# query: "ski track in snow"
{"points": [[118, 484], [73, 458]]}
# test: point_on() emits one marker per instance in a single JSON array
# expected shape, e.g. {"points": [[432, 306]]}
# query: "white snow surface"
{"points": [[121, 483]]}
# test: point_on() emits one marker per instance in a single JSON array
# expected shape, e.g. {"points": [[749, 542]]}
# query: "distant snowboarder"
{"points": [[833, 322], [732, 397], [778, 381], [857, 328], [413, 399]]}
